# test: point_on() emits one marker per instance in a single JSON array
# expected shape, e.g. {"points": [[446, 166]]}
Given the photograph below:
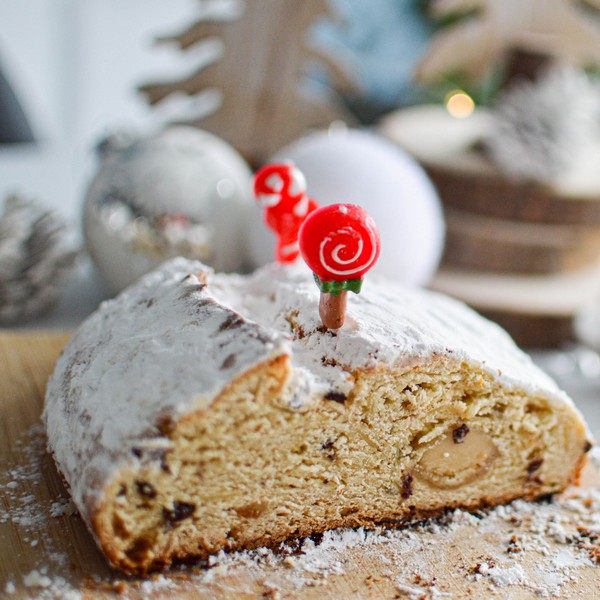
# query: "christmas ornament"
{"points": [[361, 168], [339, 243], [542, 129], [281, 190], [35, 259], [180, 192]]}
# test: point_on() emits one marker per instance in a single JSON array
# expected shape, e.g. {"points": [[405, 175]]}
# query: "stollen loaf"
{"points": [[198, 411]]}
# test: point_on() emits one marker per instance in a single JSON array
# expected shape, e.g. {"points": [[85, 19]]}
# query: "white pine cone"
{"points": [[543, 129], [35, 258]]}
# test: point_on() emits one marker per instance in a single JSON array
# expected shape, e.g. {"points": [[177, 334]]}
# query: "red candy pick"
{"points": [[281, 189], [340, 243]]}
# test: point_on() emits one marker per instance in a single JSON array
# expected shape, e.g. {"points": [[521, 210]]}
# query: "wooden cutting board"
{"points": [[46, 551]]}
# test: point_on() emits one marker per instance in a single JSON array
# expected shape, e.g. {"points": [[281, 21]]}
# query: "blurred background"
{"points": [[470, 129]]}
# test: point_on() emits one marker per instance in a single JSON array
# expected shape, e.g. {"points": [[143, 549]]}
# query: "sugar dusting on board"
{"points": [[24, 508], [539, 548]]}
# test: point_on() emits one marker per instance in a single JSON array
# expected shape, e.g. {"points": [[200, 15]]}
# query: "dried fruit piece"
{"points": [[407, 489], [459, 434], [336, 396], [179, 512], [145, 489]]}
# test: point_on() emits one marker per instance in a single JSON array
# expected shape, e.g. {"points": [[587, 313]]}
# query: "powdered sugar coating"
{"points": [[386, 323], [169, 344], [162, 348]]}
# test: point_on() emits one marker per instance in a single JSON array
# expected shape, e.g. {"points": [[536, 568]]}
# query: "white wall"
{"points": [[74, 65]]}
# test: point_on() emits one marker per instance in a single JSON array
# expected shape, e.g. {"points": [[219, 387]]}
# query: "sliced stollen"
{"points": [[198, 412]]}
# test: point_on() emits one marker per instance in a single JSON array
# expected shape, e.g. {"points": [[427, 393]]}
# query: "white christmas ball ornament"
{"points": [[182, 191], [361, 168]]}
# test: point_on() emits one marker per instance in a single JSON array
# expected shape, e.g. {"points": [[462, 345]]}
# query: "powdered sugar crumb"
{"points": [[62, 508], [513, 575], [37, 579], [157, 584], [415, 592]]}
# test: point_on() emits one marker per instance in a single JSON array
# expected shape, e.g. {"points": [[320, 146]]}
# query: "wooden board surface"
{"points": [[46, 552]]}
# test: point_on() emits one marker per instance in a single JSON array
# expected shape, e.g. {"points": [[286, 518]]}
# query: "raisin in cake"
{"points": [[199, 412]]}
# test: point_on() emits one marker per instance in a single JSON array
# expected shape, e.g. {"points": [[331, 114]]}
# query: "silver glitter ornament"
{"points": [[181, 192]]}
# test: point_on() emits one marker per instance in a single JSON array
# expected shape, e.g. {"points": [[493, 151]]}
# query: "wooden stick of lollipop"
{"points": [[340, 243]]}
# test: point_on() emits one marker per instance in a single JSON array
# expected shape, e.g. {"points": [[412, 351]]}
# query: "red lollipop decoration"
{"points": [[281, 189], [340, 243]]}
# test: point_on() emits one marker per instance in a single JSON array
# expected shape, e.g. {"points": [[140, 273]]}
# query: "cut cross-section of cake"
{"points": [[198, 412]]}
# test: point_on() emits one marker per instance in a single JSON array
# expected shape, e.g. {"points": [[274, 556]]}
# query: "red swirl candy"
{"points": [[339, 242], [281, 189]]}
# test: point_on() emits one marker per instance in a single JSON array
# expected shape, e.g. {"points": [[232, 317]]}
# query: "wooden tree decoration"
{"points": [[259, 75], [558, 28]]}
